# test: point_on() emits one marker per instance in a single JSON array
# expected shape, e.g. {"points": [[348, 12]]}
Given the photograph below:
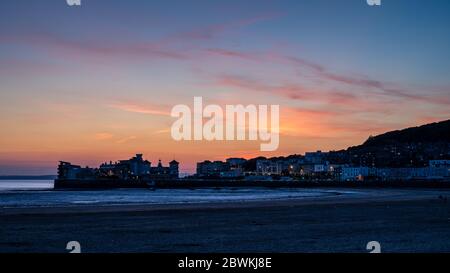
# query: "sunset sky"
{"points": [[96, 83]]}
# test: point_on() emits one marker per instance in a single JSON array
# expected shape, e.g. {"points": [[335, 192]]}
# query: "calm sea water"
{"points": [[7, 185], [22, 193]]}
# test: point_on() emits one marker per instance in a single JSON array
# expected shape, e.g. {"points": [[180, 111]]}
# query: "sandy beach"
{"points": [[407, 220]]}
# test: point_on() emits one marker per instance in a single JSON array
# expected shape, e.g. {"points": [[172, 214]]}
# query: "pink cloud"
{"points": [[166, 48], [211, 31], [299, 62], [96, 48], [231, 53], [141, 109], [371, 87], [297, 92], [103, 136], [396, 92], [126, 139], [29, 67]]}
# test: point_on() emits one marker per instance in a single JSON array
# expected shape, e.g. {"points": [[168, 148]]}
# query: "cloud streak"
{"points": [[173, 47], [298, 92], [141, 109], [370, 86]]}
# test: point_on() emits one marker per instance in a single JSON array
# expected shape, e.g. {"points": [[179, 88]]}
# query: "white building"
{"points": [[268, 167], [354, 173], [439, 163]]}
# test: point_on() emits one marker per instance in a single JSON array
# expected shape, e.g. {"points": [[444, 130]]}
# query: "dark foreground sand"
{"points": [[402, 221]]}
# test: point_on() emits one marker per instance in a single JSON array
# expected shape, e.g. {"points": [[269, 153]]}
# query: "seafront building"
{"points": [[135, 168], [231, 168]]}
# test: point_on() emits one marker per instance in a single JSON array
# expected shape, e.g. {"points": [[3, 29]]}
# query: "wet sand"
{"points": [[401, 220]]}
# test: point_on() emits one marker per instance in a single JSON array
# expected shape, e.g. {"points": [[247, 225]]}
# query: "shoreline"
{"points": [[337, 196], [401, 220], [65, 184]]}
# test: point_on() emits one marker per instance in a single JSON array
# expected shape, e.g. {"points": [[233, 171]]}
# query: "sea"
{"points": [[40, 193]]}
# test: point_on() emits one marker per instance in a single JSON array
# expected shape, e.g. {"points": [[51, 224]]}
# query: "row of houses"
{"points": [[314, 166], [311, 163], [231, 168], [432, 172], [437, 169], [292, 167]]}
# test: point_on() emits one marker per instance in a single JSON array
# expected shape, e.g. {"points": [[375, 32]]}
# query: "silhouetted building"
{"points": [[73, 172], [133, 169], [315, 157], [161, 172], [236, 163], [174, 168], [126, 169], [67, 170], [212, 168]]}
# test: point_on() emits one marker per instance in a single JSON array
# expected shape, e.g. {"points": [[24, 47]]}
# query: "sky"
{"points": [[96, 83]]}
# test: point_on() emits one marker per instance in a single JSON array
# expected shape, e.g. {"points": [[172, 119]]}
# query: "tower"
{"points": [[173, 169]]}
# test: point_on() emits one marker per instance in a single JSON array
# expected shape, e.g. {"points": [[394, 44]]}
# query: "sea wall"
{"points": [[212, 183]]}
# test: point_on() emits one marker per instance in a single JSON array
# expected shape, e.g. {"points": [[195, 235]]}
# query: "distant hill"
{"points": [[411, 147], [433, 132]]}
